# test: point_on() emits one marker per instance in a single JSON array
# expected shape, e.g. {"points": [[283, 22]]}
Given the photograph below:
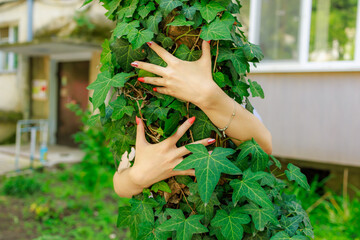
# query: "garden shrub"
{"points": [[244, 198], [21, 186]]}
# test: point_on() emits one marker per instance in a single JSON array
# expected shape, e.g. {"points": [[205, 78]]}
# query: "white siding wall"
{"points": [[312, 116]]}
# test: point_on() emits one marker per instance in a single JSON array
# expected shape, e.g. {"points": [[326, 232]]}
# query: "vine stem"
{"points": [[217, 54], [188, 116], [182, 192], [280, 175], [182, 35]]}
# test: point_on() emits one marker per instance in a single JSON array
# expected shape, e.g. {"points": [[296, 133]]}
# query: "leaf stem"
{"points": [[185, 34], [280, 175]]}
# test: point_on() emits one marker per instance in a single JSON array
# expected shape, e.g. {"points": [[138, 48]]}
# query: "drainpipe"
{"points": [[30, 6]]}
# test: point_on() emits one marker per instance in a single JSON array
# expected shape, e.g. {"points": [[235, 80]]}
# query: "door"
{"points": [[73, 80]]}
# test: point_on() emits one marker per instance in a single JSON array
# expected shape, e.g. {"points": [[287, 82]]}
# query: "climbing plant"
{"points": [[241, 197]]}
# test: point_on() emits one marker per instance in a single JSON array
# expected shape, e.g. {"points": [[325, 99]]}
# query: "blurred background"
{"points": [[50, 52]]}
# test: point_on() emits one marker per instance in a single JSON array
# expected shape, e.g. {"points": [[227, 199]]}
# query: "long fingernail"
{"points": [[211, 141], [137, 120], [154, 89], [134, 64], [141, 79], [192, 120], [208, 41], [149, 43]]}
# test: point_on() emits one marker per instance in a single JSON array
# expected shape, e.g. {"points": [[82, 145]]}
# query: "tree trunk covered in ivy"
{"points": [[241, 197]]}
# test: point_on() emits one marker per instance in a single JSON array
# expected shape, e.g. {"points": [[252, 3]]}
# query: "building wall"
{"points": [[312, 116]]}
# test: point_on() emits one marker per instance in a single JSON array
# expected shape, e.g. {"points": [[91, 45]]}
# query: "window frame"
{"points": [[11, 56], [302, 64]]}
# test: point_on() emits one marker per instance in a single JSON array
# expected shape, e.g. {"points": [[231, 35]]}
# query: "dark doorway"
{"points": [[73, 80]]}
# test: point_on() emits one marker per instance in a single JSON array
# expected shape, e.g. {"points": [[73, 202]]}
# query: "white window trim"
{"points": [[11, 68], [302, 64]]}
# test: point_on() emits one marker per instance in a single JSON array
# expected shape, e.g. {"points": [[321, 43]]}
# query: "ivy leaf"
{"points": [[294, 174], [221, 79], [144, 208], [105, 57], [216, 30], [284, 236], [156, 59], [121, 142], [150, 231], [138, 38], [248, 187], [184, 53], [93, 120], [205, 209], [223, 3], [124, 28], [208, 167], [172, 123], [237, 59], [180, 20], [128, 9], [162, 186], [260, 216], [124, 216], [231, 224], [165, 41], [188, 12], [168, 5], [290, 224], [259, 158], [103, 84], [125, 54], [209, 10], [184, 227], [277, 162], [253, 52], [86, 2], [202, 126], [153, 21], [241, 88], [144, 10], [154, 111], [179, 106], [256, 90], [111, 6], [120, 108]]}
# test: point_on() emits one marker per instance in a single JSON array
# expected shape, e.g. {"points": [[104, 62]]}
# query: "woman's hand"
{"points": [[155, 162], [188, 81]]}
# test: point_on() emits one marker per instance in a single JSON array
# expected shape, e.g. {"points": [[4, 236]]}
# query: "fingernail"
{"points": [[211, 141], [149, 43], [134, 64], [208, 41], [154, 89], [141, 79], [192, 120], [137, 120]]}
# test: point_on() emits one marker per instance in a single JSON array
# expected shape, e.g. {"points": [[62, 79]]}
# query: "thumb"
{"points": [[206, 54], [140, 132]]}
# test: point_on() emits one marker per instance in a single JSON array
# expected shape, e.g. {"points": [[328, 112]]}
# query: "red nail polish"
{"points": [[192, 120], [154, 89], [211, 141], [141, 79], [208, 41], [134, 64], [149, 43], [137, 120]]}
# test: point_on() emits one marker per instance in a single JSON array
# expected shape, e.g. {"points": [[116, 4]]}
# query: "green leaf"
{"points": [[128, 9], [105, 57], [168, 5], [294, 174], [103, 83], [111, 6], [256, 90], [202, 126], [144, 73], [124, 216], [125, 54], [216, 30], [153, 21], [138, 38], [123, 28], [260, 216], [290, 224], [209, 10], [172, 123], [231, 224], [86, 2], [208, 209], [184, 53], [180, 20], [165, 41], [259, 158], [277, 162], [221, 79], [162, 186], [155, 59], [208, 167], [184, 227], [237, 59], [179, 106], [120, 108], [144, 10], [150, 231], [143, 208], [248, 187], [241, 88], [188, 12], [253, 52], [284, 236], [93, 120], [154, 111]]}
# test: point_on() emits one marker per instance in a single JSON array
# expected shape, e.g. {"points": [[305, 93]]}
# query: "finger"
{"points": [[163, 53], [140, 132], [162, 90], [182, 151], [206, 54], [181, 130], [156, 69], [158, 81], [190, 172]]}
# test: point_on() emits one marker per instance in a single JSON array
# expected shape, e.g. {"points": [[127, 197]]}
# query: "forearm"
{"points": [[244, 126], [124, 186]]}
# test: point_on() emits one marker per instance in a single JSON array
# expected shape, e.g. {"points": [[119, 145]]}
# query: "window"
{"points": [[8, 61]]}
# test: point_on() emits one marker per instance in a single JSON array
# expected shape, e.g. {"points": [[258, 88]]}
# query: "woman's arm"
{"points": [[193, 82]]}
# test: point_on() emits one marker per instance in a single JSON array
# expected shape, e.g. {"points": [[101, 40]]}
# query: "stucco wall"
{"points": [[312, 116]]}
